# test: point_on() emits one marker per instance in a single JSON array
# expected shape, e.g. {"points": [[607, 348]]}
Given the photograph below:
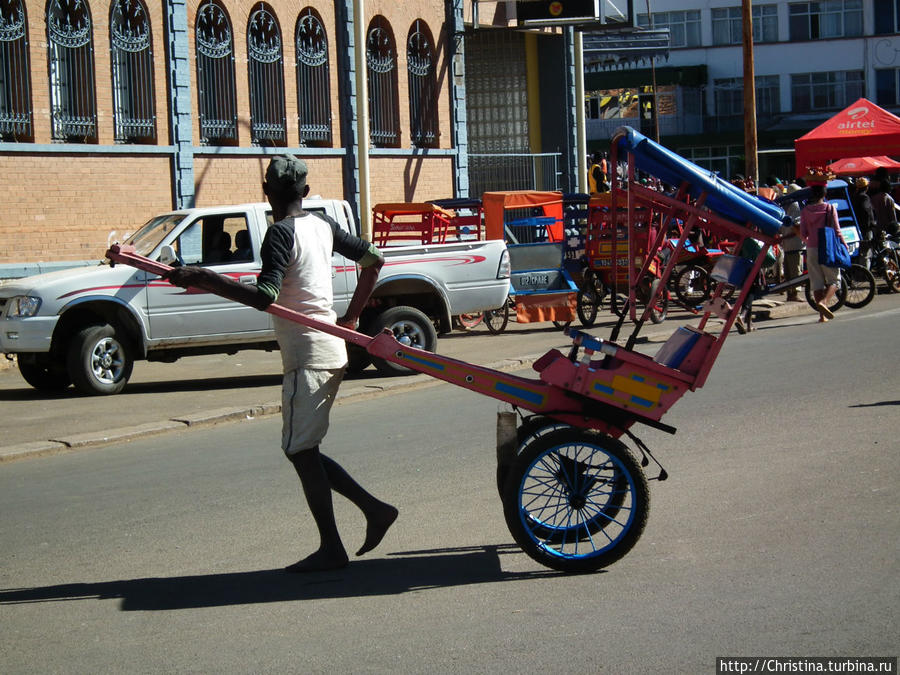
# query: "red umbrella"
{"points": [[863, 166]]}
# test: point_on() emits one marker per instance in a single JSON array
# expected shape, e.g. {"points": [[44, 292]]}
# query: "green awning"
{"points": [[686, 76]]}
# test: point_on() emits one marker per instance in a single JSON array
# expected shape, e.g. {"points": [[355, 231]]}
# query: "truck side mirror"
{"points": [[167, 256]]}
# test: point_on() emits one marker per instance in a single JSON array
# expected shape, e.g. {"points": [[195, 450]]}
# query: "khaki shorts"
{"points": [[820, 277], [306, 399]]}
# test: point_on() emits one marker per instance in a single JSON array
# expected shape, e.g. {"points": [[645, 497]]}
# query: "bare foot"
{"points": [[319, 561], [377, 524]]}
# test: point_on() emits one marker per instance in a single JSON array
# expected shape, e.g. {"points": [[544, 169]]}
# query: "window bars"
{"points": [[134, 106], [313, 88], [215, 76], [73, 112], [15, 79], [381, 61], [266, 75], [422, 86]]}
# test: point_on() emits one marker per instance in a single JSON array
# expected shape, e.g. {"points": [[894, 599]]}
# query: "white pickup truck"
{"points": [[87, 326]]}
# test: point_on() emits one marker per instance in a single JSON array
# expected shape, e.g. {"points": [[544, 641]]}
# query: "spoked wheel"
{"points": [[496, 319], [692, 286], [860, 286], [892, 271], [533, 427], [469, 321], [660, 307], [589, 298], [836, 303], [576, 500]]}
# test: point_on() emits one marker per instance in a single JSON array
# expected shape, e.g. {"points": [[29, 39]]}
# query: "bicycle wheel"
{"points": [[576, 500], [496, 319], [660, 307], [860, 286], [589, 298], [892, 271], [836, 303], [469, 321], [692, 286]]}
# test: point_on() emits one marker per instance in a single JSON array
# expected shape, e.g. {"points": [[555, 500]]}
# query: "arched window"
{"points": [[266, 73], [215, 76], [15, 80], [70, 42], [313, 88], [131, 54], [423, 117], [381, 61]]}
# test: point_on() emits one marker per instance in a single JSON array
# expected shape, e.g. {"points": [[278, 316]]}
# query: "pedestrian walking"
{"points": [[818, 214], [296, 271]]}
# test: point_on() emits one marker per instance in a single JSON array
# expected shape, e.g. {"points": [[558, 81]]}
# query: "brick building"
{"points": [[112, 111]]}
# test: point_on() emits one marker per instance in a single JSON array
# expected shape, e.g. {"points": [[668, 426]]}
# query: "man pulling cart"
{"points": [[574, 497]]}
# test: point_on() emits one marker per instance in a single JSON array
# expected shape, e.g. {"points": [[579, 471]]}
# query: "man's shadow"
{"points": [[399, 573]]}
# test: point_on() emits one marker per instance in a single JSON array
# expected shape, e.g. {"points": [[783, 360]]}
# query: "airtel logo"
{"points": [[856, 124]]}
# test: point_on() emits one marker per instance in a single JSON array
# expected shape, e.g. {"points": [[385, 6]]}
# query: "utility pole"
{"points": [[751, 168], [653, 81]]}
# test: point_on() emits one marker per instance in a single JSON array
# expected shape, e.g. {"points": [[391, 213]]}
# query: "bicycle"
{"points": [[883, 259]]}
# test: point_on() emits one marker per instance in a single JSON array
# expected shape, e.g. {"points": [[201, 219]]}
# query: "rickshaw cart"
{"points": [[541, 288], [574, 497], [613, 252]]}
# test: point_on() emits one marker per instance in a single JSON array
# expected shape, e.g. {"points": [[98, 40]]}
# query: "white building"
{"points": [[811, 59]]}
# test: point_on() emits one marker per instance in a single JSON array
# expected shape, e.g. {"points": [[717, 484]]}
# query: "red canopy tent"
{"points": [[860, 130], [863, 166]]}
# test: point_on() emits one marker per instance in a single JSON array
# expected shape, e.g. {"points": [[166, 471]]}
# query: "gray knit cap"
{"points": [[286, 173]]}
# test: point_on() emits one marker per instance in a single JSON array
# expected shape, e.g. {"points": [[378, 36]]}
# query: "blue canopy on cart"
{"points": [[722, 198]]}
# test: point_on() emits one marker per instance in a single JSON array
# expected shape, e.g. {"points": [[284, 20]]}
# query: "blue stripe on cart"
{"points": [[425, 362], [523, 394]]}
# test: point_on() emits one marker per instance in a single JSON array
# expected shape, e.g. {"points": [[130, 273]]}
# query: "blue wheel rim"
{"points": [[577, 500]]}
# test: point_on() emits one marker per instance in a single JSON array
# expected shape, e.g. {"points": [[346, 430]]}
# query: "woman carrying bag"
{"points": [[819, 215]]}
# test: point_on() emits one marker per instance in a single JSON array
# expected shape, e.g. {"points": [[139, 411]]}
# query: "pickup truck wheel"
{"points": [[41, 374], [411, 328], [99, 361]]}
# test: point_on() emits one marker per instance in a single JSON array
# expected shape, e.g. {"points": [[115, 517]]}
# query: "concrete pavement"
{"points": [[163, 398]]}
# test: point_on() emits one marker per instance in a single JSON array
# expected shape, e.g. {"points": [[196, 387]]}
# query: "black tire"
{"points": [[358, 359], [860, 286], [836, 303], [567, 486], [660, 308], [533, 427], [411, 328], [43, 374], [589, 299], [892, 271], [496, 319], [99, 361], [692, 286], [618, 304]]}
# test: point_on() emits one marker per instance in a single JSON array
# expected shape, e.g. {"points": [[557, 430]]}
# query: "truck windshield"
{"points": [[152, 234]]}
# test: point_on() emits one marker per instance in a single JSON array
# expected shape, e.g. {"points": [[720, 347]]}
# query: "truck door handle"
{"points": [[248, 279]]}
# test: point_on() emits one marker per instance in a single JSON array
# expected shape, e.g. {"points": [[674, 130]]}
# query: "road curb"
{"points": [[766, 310]]}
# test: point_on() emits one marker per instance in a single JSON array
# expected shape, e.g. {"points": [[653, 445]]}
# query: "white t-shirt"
{"points": [[307, 288]]}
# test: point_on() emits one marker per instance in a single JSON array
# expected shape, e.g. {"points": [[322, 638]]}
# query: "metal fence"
{"points": [[501, 172]]}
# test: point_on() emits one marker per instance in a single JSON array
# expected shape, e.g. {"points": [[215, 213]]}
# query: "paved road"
{"points": [[776, 534], [201, 390]]}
